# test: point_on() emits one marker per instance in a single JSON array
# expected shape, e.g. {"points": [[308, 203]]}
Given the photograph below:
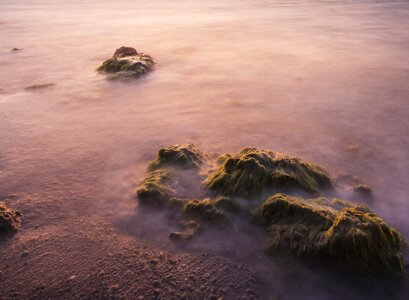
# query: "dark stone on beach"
{"points": [[10, 220]]}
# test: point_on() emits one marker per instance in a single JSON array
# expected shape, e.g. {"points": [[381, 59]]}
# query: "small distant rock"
{"points": [[39, 86], [363, 190], [127, 63], [16, 49]]}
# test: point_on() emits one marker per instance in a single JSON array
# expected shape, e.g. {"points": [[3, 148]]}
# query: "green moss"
{"points": [[182, 156], [251, 172], [206, 211], [283, 209], [127, 63], [156, 189], [353, 237], [363, 239], [315, 230], [10, 220]]}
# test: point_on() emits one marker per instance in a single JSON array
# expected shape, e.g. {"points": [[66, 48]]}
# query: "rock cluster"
{"points": [[264, 187]]}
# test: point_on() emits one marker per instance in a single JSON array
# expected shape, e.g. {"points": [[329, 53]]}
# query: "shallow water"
{"points": [[323, 80]]}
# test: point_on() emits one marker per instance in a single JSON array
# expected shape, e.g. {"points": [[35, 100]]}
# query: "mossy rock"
{"points": [[319, 229], [180, 156], [127, 63], [10, 220], [156, 189], [252, 172], [353, 237], [362, 238], [284, 209], [211, 211]]}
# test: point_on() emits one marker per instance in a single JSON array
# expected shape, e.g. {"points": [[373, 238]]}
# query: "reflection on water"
{"points": [[324, 80]]}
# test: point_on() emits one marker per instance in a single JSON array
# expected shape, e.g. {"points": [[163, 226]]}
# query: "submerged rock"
{"points": [[127, 63], [10, 220], [182, 156], [363, 190], [353, 236], [252, 172], [39, 86]]}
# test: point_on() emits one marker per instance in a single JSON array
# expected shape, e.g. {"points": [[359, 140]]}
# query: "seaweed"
{"points": [[211, 211], [353, 236], [363, 239], [181, 156], [252, 172], [156, 190], [315, 230]]}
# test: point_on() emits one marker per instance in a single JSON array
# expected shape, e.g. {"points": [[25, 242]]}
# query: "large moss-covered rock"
{"points": [[252, 172], [180, 156], [127, 63], [353, 236], [10, 220]]}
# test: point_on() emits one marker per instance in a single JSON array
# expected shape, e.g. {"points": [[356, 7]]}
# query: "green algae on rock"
{"points": [[352, 236], [181, 156], [252, 172], [314, 230], [127, 63], [156, 190], [211, 211], [10, 220], [199, 215], [157, 187]]}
